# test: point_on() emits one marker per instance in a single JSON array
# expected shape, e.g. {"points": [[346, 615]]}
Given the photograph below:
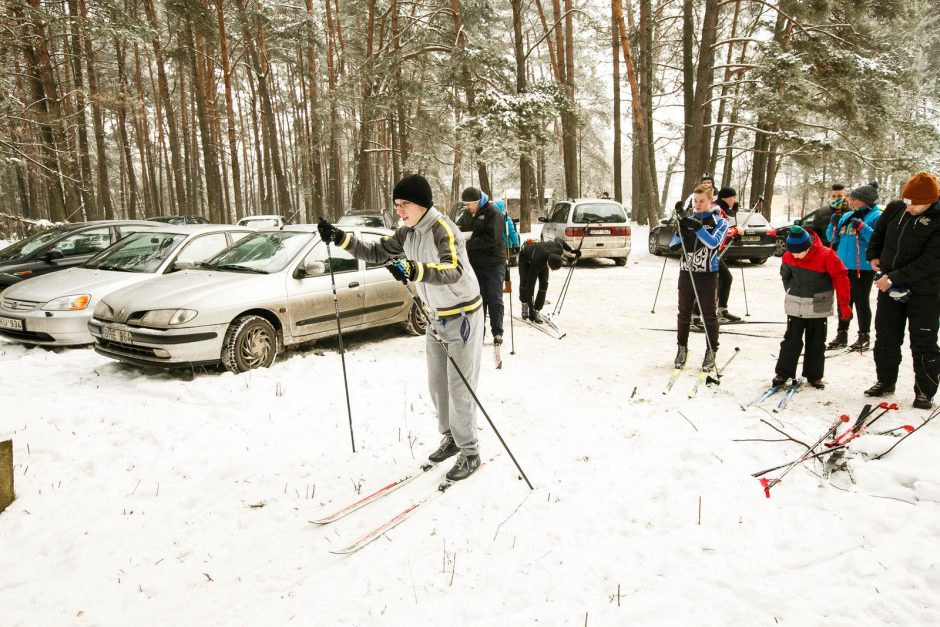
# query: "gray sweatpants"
{"points": [[456, 409]]}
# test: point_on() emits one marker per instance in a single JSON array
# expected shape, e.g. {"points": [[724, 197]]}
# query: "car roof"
{"points": [[71, 226], [312, 228], [267, 216], [591, 200], [186, 229]]}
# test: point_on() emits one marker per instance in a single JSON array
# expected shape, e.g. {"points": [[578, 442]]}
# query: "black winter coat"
{"points": [[908, 247], [487, 247]]}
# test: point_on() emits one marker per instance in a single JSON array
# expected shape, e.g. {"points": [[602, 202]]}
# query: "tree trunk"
{"points": [[698, 119], [618, 139], [230, 114], [130, 208], [569, 121], [201, 94], [84, 153], [316, 130]]}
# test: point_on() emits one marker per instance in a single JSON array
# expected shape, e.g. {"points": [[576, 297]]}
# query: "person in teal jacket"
{"points": [[849, 233]]}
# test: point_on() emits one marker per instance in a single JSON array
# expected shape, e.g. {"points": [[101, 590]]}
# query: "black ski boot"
{"points": [[922, 401], [465, 466], [880, 389], [778, 380], [447, 449], [681, 355], [535, 317], [709, 362], [862, 343], [497, 340], [841, 340], [525, 311], [817, 383], [725, 316]]}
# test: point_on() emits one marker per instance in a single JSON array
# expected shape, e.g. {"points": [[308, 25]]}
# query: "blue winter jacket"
{"points": [[843, 238]]}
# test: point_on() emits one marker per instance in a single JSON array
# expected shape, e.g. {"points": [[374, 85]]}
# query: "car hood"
{"points": [[75, 281], [199, 290]]}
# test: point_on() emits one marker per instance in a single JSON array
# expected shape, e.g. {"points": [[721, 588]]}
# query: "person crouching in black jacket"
{"points": [[535, 260], [905, 251]]}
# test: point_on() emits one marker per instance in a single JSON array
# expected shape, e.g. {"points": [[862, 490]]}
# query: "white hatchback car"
{"points": [[270, 290], [599, 227], [54, 309]]}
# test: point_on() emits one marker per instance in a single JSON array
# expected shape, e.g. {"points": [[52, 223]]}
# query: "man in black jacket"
{"points": [[487, 251], [535, 260], [905, 251]]}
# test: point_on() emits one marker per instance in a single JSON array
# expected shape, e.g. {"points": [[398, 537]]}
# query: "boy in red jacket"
{"points": [[810, 273]]}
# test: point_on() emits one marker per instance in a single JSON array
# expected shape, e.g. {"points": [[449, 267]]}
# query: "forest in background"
{"points": [[227, 108]]}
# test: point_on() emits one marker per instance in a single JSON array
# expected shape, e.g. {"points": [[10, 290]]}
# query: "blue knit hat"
{"points": [[798, 240]]}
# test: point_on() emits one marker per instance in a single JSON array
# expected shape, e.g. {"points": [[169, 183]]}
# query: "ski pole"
{"points": [[342, 352], [567, 283], [747, 309], [717, 378], [512, 336], [769, 483], [434, 334], [688, 265], [660, 284]]}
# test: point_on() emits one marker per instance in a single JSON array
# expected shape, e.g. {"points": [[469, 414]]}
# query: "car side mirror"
{"points": [[541, 218], [797, 222], [184, 264], [313, 268], [53, 255]]}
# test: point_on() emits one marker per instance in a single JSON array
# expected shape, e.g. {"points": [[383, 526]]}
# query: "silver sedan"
{"points": [[269, 291]]}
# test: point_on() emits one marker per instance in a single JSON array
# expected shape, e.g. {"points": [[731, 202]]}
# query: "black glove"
{"points": [[690, 225], [402, 269], [329, 233], [577, 253], [834, 220]]}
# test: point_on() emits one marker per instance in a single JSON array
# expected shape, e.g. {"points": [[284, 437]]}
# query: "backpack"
{"points": [[510, 235]]}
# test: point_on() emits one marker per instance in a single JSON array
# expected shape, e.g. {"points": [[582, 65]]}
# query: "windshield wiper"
{"points": [[239, 268], [112, 268]]}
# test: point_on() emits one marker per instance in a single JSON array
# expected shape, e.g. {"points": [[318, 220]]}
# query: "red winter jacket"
{"points": [[809, 283]]}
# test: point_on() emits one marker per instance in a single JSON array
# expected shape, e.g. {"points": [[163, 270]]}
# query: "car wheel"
{"points": [[417, 322], [620, 261], [758, 261], [250, 342], [654, 250], [781, 248]]}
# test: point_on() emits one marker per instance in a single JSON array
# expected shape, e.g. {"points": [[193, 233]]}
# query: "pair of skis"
{"points": [[703, 376], [395, 520], [548, 327], [795, 386]]}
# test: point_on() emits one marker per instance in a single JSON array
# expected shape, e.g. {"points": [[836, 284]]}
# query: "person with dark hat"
{"points": [[813, 278], [850, 235], [904, 250], [535, 260], [435, 260], [726, 203], [486, 248]]}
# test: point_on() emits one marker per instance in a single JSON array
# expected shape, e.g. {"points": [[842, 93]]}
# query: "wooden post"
{"points": [[6, 474]]}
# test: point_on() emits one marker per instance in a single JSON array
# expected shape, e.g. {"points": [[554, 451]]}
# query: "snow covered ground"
{"points": [[157, 498]]}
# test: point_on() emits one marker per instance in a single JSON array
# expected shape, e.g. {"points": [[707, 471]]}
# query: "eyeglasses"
{"points": [[402, 204]]}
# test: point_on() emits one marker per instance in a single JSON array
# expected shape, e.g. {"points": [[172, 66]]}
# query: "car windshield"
{"points": [[360, 221], [138, 252], [598, 212], [28, 245], [756, 219], [261, 223], [260, 252]]}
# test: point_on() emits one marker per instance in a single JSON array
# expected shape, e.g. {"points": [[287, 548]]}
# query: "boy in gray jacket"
{"points": [[436, 262]]}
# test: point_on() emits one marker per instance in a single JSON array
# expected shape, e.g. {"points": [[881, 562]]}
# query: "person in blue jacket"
{"points": [[850, 233]]}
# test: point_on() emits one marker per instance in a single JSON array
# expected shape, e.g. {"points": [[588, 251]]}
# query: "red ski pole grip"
{"points": [[766, 485]]}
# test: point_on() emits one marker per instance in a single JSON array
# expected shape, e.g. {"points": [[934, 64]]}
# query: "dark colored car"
{"points": [[179, 220], [62, 247], [817, 220], [757, 241]]}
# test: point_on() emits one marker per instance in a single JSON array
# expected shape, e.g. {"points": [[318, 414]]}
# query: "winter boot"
{"points": [[880, 389], [841, 340], [725, 316], [497, 340], [681, 355], [464, 467], [778, 380], [535, 317], [709, 362], [448, 448], [921, 401], [817, 383], [525, 311], [862, 343]]}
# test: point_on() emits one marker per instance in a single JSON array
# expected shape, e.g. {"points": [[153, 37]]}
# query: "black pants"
{"points": [[814, 360], [491, 281], [524, 288], [724, 284], [706, 285], [921, 314], [860, 299]]}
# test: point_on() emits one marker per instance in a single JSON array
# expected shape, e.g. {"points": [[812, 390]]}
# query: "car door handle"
{"points": [[353, 284]]}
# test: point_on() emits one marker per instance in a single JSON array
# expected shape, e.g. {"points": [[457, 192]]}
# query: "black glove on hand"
{"points": [[690, 225], [402, 269], [577, 253], [329, 233]]}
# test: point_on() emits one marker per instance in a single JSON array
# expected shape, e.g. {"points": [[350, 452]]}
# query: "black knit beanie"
{"points": [[727, 192], [471, 194], [415, 189], [868, 194], [554, 261]]}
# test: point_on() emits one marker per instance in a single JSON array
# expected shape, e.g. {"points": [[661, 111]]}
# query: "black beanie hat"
{"points": [[868, 194], [471, 194], [727, 192], [415, 189], [554, 261]]}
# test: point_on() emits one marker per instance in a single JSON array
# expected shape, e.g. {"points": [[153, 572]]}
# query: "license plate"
{"points": [[751, 238], [116, 335], [599, 232], [11, 323]]}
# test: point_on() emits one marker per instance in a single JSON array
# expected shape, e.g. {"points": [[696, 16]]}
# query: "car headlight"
{"points": [[167, 317], [76, 302], [103, 311]]}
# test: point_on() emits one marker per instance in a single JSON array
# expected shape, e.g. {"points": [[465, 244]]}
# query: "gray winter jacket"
{"points": [[442, 268]]}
